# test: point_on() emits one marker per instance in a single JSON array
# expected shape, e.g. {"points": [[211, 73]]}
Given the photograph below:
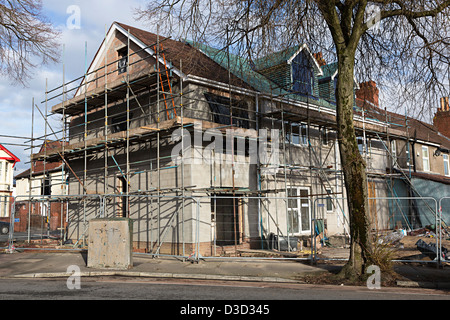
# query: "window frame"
{"points": [[446, 164], [300, 202], [426, 150], [394, 157]]}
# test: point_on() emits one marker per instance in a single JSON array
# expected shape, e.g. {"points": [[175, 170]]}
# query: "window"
{"points": [[446, 165], [302, 75], [425, 159], [119, 123], [6, 172], [46, 187], [362, 147], [1, 171], [329, 200], [299, 214], [324, 136], [394, 153], [297, 134], [220, 110], [304, 134], [123, 60], [293, 136]]}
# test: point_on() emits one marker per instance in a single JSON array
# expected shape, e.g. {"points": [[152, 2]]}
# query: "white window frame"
{"points": [[299, 132], [300, 203], [426, 159], [446, 164], [394, 158], [303, 131]]}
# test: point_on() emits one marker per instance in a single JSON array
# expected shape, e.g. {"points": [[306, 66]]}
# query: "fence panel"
{"points": [[163, 225], [46, 221], [248, 227], [232, 226]]}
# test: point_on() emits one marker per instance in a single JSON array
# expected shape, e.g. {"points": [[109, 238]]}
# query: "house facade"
{"points": [[7, 163], [207, 151], [40, 208]]}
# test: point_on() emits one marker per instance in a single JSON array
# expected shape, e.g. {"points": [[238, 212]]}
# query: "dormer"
{"points": [[327, 83], [294, 70]]}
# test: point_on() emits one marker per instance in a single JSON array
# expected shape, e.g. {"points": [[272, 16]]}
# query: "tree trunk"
{"points": [[354, 169]]}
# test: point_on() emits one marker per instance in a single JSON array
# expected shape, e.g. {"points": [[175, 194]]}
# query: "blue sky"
{"points": [[16, 101]]}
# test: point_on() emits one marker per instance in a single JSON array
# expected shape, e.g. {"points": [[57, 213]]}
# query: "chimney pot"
{"points": [[445, 104]]}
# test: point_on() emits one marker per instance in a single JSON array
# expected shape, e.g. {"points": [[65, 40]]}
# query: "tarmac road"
{"points": [[120, 288], [43, 275]]}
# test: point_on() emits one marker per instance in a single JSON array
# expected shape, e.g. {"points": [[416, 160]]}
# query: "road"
{"points": [[120, 288]]}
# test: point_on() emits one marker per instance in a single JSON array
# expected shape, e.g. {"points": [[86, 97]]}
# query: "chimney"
{"points": [[368, 92], [442, 117], [444, 105], [320, 60]]}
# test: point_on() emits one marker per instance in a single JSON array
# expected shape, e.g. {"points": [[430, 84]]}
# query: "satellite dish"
{"points": [[437, 153]]}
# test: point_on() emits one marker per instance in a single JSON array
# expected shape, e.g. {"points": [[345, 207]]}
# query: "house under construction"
{"points": [[203, 148]]}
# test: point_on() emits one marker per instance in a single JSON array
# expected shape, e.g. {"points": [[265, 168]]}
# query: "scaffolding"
{"points": [[107, 117]]}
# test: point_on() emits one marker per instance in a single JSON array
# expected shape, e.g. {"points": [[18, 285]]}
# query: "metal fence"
{"points": [[239, 226]]}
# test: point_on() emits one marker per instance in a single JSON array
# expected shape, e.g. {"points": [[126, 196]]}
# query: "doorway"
{"points": [[225, 214], [122, 203]]}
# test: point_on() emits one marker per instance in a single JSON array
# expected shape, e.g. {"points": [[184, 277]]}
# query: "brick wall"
{"points": [[37, 221], [442, 117], [369, 92]]}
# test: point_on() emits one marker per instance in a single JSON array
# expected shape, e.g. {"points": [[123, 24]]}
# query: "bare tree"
{"points": [[27, 39], [402, 45]]}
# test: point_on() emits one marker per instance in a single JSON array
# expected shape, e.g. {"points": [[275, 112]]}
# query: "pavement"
{"points": [[46, 264]]}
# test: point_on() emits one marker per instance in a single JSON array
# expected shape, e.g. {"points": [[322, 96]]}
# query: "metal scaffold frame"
{"points": [[165, 112]]}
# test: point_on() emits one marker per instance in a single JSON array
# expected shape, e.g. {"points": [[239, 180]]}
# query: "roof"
{"points": [[193, 61], [213, 64], [329, 70], [10, 156], [432, 177], [38, 166], [415, 129], [247, 72], [239, 67]]}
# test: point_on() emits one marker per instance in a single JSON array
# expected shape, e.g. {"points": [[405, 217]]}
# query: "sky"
{"points": [[80, 22]]}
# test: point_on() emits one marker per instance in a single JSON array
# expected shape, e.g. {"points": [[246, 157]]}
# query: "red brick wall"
{"points": [[442, 122], [36, 218], [368, 91]]}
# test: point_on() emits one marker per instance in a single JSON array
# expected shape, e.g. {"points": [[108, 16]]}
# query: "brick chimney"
{"points": [[368, 91], [441, 119], [320, 60]]}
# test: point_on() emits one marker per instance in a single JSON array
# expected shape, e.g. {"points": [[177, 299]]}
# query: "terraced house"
{"points": [[207, 151]]}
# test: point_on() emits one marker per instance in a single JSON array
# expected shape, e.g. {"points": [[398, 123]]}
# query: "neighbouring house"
{"points": [[208, 151], [46, 180], [442, 117], [7, 163]]}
